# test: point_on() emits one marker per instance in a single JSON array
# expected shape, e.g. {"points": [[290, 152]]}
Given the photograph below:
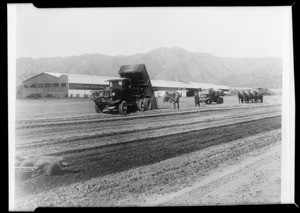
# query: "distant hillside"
{"points": [[165, 64]]}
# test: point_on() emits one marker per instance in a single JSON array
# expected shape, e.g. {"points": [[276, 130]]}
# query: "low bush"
{"points": [[54, 169]]}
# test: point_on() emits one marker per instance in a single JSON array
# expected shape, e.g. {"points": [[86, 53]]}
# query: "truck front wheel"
{"points": [[123, 108], [147, 104]]}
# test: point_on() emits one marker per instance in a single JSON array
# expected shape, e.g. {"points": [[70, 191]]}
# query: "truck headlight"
{"points": [[113, 94]]}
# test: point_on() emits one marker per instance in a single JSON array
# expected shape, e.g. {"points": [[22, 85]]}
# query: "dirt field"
{"points": [[213, 155]]}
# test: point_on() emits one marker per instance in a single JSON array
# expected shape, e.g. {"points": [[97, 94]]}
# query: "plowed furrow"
{"points": [[128, 129], [119, 157], [90, 143], [95, 119], [63, 132]]}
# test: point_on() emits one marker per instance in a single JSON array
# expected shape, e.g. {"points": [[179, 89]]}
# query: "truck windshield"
{"points": [[204, 91], [116, 84]]}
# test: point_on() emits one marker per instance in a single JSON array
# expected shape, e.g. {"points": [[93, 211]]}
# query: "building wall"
{"points": [[182, 92], [45, 85], [59, 92], [78, 93], [160, 91], [81, 86], [82, 90]]}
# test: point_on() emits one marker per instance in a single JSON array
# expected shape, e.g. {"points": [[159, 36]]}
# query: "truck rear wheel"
{"points": [[141, 105], [153, 103], [98, 109], [123, 108], [222, 100], [147, 103]]}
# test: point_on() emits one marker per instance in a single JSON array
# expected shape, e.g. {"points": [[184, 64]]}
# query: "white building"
{"points": [[48, 84]]}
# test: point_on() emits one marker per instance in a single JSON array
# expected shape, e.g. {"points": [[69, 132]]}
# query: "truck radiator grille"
{"points": [[106, 99], [106, 93]]}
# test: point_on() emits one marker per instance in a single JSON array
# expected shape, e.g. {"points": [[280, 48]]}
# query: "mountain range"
{"points": [[174, 64]]}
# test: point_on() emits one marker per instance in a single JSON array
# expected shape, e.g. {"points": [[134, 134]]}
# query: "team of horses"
{"points": [[250, 97]]}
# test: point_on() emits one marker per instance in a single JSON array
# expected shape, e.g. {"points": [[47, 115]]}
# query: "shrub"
{"points": [[54, 169]]}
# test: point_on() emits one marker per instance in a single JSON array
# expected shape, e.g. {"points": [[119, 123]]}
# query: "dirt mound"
{"points": [[54, 169]]}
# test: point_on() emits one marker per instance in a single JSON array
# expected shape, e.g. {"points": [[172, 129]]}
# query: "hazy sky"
{"points": [[221, 31]]}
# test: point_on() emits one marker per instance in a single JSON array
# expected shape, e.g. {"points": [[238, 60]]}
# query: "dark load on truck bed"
{"points": [[134, 88], [139, 78]]}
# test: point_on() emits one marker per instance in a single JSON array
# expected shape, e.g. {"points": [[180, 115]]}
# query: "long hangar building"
{"points": [[63, 85]]}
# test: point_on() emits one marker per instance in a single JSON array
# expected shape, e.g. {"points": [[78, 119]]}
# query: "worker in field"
{"points": [[197, 99], [176, 100], [211, 92]]}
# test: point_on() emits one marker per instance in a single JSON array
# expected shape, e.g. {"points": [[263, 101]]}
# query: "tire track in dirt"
{"points": [[94, 119], [208, 136], [141, 129], [121, 157], [25, 139], [128, 164], [112, 123], [94, 143], [135, 186], [213, 186]]}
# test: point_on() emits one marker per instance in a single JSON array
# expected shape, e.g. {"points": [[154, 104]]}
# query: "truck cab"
{"points": [[110, 97], [121, 89], [133, 88]]}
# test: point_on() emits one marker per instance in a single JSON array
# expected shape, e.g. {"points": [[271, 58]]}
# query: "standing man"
{"points": [[197, 99], [176, 100]]}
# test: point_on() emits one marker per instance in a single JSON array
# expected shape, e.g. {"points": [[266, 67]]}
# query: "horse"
{"points": [[251, 96], [260, 96], [240, 97], [255, 96], [246, 97]]}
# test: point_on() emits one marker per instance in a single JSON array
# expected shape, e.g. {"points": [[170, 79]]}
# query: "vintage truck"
{"points": [[132, 89], [210, 95]]}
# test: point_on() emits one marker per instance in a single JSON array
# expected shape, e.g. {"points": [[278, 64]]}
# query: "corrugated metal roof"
{"points": [[222, 87], [49, 73], [55, 74], [83, 79], [178, 84], [202, 85], [89, 79], [95, 79], [163, 83]]}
